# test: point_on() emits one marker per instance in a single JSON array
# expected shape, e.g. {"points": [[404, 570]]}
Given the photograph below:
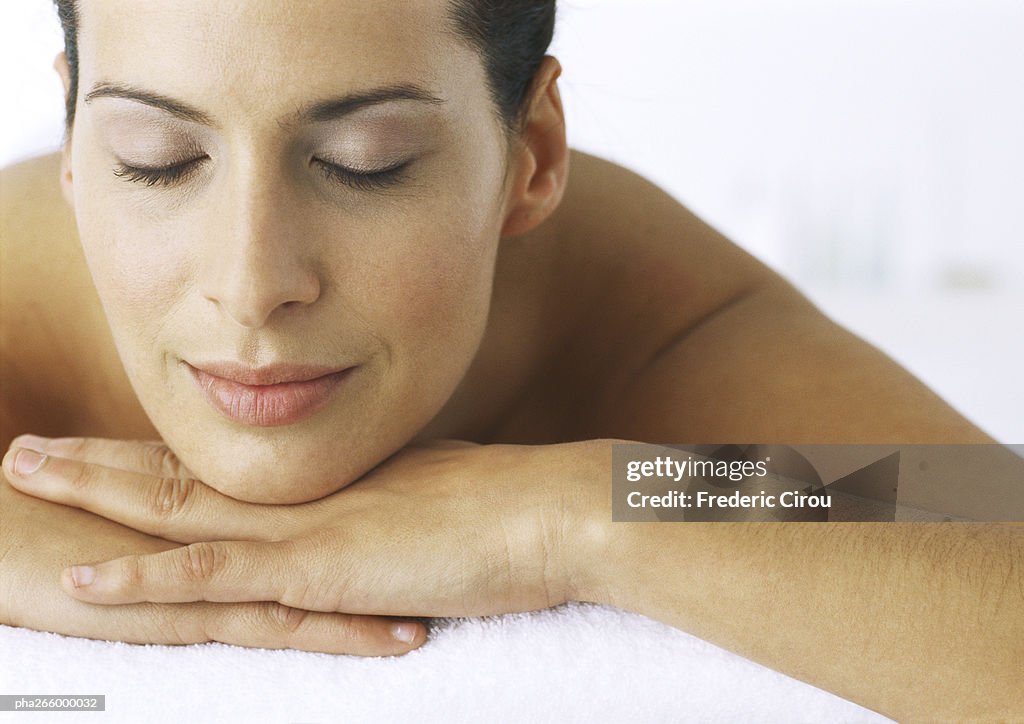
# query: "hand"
{"points": [[38, 539], [450, 529]]}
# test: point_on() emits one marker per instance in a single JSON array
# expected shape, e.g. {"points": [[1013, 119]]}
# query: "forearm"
{"points": [[912, 620]]}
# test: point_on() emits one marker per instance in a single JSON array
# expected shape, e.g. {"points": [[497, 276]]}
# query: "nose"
{"points": [[257, 261]]}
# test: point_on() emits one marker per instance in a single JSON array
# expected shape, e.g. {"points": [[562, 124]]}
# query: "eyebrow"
{"points": [[328, 110], [339, 107], [175, 108]]}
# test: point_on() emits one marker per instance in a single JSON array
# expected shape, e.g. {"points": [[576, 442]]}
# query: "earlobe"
{"points": [[542, 166], [60, 64]]}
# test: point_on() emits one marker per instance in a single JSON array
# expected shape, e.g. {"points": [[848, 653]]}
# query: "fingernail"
{"points": [[28, 461], [404, 632], [82, 575]]}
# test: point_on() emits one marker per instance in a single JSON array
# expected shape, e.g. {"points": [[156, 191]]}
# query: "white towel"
{"points": [[577, 662]]}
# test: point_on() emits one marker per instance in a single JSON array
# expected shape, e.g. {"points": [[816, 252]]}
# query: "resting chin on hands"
{"points": [[444, 529]]}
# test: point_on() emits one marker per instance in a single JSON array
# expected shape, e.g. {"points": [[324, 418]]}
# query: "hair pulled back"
{"points": [[511, 36]]}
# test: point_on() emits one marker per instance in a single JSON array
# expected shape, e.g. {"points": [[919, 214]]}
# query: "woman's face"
{"points": [[291, 212]]}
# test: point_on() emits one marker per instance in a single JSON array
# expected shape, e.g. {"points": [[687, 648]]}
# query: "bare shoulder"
{"points": [[619, 268], [59, 366], [37, 234], [679, 334], [632, 267], [653, 267], [625, 214]]}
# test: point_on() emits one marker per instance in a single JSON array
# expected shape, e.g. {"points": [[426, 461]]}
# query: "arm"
{"points": [[909, 619], [917, 621], [913, 620], [39, 538]]}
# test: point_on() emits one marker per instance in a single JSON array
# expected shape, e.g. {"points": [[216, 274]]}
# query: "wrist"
{"points": [[587, 539]]}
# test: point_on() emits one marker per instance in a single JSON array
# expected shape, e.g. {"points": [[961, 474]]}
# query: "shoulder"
{"points": [[611, 210], [37, 233], [58, 361], [650, 257], [626, 268], [680, 334], [660, 268]]}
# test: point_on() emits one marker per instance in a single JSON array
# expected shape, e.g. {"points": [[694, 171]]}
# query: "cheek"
{"points": [[137, 256], [446, 280], [436, 292], [141, 271]]}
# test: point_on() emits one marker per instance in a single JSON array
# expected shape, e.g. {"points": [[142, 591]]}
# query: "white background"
{"points": [[871, 151]]}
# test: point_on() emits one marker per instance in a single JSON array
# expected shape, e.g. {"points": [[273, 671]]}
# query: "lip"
{"points": [[266, 396]]}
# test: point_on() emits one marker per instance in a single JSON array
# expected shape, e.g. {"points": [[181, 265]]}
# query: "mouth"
{"points": [[267, 396]]}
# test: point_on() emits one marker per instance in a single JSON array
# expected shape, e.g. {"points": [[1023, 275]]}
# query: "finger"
{"points": [[179, 509], [226, 571], [150, 457], [256, 625], [275, 626]]}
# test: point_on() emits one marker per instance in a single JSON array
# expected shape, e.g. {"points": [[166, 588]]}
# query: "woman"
{"points": [[338, 245]]}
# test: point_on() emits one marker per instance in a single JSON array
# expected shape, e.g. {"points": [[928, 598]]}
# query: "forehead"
{"points": [[264, 56]]}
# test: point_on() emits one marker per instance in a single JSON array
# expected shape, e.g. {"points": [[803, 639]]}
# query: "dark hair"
{"points": [[511, 36]]}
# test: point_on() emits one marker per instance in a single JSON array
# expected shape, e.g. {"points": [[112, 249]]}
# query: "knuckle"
{"points": [[313, 592], [177, 628], [231, 623], [131, 576], [81, 477], [193, 625], [287, 619], [200, 561], [160, 458], [172, 496]]}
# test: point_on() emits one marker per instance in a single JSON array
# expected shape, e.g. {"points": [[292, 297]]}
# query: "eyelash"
{"points": [[158, 175], [362, 180], [177, 173]]}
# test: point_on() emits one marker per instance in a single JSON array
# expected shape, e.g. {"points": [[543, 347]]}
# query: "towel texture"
{"points": [[577, 662]]}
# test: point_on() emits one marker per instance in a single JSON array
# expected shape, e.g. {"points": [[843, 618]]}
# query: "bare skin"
{"points": [[723, 344], [575, 280]]}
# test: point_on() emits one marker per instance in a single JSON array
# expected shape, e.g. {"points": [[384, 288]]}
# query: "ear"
{"points": [[60, 64], [540, 160]]}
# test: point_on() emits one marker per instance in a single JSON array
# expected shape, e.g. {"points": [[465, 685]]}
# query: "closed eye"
{"points": [[159, 175], [363, 180], [179, 172]]}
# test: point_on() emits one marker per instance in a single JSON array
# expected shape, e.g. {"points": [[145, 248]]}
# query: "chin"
{"points": [[269, 491], [277, 486], [261, 474], [280, 465]]}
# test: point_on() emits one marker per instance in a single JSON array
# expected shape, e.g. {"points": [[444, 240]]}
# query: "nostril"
{"points": [[263, 275]]}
